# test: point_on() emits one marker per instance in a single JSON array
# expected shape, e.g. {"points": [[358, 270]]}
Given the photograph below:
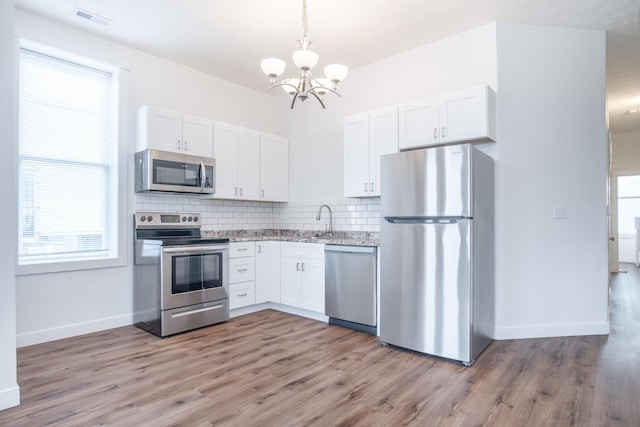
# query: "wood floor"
{"points": [[275, 369]]}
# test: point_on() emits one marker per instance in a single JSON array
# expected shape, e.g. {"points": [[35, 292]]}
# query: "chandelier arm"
{"points": [[293, 101], [326, 88], [317, 97], [284, 84]]}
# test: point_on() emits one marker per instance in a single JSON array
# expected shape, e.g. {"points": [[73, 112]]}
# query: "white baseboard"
{"points": [[547, 331], [9, 397], [67, 331], [279, 307]]}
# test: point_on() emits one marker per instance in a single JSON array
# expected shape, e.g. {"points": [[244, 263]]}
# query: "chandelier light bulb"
{"points": [[305, 59], [272, 67], [336, 73], [290, 85]]}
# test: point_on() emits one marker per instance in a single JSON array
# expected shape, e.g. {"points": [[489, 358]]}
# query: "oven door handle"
{"points": [[196, 250]]}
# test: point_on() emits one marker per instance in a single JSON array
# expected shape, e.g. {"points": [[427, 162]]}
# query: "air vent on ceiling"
{"points": [[92, 16]]}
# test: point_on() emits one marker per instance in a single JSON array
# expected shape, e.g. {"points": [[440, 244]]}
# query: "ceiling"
{"points": [[228, 38]]}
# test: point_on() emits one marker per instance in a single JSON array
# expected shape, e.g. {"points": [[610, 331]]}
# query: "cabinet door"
{"points": [[248, 164], [383, 139], [356, 156], [418, 123], [290, 281], [463, 114], [312, 285], [274, 168], [164, 129], [197, 136], [263, 272], [225, 151]]}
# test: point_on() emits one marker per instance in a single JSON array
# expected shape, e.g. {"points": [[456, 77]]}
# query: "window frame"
{"points": [[118, 153]]}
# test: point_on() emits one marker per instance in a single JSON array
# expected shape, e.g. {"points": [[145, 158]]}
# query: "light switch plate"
{"points": [[559, 212]]}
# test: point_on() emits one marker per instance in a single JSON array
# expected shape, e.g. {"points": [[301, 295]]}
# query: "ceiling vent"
{"points": [[92, 17]]}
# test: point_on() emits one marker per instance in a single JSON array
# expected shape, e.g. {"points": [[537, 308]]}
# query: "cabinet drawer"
{"points": [[241, 249], [302, 250], [242, 294], [242, 269]]}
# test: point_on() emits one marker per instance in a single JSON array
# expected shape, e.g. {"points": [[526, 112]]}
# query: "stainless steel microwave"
{"points": [[173, 172]]}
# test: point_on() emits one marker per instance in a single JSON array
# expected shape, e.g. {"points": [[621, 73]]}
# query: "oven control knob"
{"points": [[190, 219], [184, 218], [195, 219], [149, 218], [143, 218]]}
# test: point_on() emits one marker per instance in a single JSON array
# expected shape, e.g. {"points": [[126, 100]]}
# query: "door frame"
{"points": [[614, 264]]}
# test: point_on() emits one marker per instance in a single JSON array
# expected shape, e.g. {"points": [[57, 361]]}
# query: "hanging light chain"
{"points": [[305, 22]]}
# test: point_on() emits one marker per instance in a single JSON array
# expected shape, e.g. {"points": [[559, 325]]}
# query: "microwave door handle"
{"points": [[203, 176]]}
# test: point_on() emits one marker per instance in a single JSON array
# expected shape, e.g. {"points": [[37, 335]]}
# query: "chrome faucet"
{"points": [[330, 228]]}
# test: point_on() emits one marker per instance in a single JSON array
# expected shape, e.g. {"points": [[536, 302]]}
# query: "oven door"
{"points": [[193, 274]]}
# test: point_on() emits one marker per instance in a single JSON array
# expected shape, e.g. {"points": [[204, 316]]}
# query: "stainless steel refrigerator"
{"points": [[437, 251]]}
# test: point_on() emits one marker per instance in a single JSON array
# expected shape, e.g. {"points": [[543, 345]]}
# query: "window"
{"points": [[628, 203], [68, 149]]}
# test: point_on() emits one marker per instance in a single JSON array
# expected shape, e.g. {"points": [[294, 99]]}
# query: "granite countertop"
{"points": [[353, 238]]}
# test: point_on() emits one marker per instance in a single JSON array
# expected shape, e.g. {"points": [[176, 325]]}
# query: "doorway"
{"points": [[628, 208]]}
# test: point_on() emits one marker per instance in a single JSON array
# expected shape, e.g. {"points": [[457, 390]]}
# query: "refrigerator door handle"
{"points": [[426, 220]]}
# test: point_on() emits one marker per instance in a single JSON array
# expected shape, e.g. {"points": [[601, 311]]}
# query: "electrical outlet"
{"points": [[559, 212]]}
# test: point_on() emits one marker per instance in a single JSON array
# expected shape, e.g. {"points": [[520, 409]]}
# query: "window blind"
{"points": [[65, 168]]}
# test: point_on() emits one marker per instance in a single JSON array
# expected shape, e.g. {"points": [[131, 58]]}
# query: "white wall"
{"points": [[625, 151], [552, 274], [315, 135], [57, 305], [9, 391]]}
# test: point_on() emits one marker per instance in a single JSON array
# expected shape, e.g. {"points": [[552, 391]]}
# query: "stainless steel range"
{"points": [[181, 279]]}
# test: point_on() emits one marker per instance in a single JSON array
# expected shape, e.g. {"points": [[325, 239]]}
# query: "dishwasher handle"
{"points": [[350, 249]]}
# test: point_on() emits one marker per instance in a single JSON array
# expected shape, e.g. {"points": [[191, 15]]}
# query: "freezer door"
{"points": [[425, 287], [431, 182]]}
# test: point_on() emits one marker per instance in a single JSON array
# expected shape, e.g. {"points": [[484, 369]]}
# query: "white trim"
{"points": [[9, 397], [548, 331], [68, 331], [279, 307]]}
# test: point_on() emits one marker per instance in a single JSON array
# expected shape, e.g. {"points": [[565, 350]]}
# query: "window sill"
{"points": [[76, 265]]}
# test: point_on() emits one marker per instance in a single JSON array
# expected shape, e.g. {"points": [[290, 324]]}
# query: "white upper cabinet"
{"points": [[166, 130], [367, 137], [274, 168], [463, 115], [236, 151]]}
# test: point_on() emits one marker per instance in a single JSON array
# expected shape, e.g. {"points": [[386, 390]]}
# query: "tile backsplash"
{"points": [[348, 214]]}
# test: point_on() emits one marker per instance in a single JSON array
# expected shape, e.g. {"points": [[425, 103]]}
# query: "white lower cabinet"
{"points": [[302, 275], [242, 274], [267, 272]]}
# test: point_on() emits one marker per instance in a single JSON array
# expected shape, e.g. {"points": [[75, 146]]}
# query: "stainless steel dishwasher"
{"points": [[351, 286]]}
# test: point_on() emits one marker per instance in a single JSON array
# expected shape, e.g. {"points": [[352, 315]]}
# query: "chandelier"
{"points": [[305, 84]]}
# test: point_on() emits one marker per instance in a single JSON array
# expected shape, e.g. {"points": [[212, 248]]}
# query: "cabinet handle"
{"points": [[185, 146], [297, 266], [443, 133], [259, 249], [242, 249], [241, 191], [240, 270], [435, 133], [243, 295], [235, 191], [365, 187], [303, 266], [262, 193], [179, 146], [372, 187]]}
